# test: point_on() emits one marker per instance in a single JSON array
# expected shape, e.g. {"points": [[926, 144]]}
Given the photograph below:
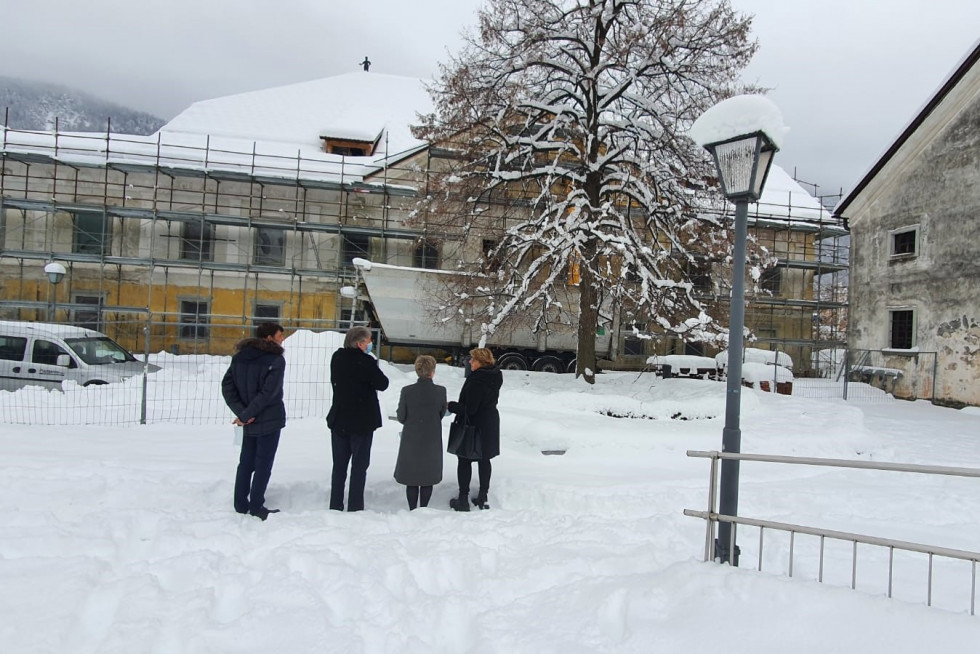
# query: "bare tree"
{"points": [[565, 122]]}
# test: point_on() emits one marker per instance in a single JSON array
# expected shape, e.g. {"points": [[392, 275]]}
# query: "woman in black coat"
{"points": [[478, 402]]}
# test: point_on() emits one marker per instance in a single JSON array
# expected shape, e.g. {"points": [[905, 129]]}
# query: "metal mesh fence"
{"points": [[870, 376], [186, 388]]}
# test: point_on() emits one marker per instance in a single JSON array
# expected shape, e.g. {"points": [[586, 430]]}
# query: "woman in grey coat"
{"points": [[421, 408]]}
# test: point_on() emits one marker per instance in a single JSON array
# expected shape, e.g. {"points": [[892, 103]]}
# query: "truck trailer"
{"points": [[402, 300]]}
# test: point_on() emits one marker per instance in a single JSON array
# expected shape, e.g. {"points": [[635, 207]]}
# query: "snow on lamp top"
{"points": [[55, 271], [742, 114], [742, 134]]}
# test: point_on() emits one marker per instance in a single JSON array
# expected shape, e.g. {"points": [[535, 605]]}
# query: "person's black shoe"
{"points": [[460, 503], [481, 503], [263, 513], [240, 510]]}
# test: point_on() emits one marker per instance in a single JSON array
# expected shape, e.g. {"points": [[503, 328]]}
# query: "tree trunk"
{"points": [[588, 321]]}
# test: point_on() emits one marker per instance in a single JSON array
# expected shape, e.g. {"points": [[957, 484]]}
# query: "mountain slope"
{"points": [[36, 105]]}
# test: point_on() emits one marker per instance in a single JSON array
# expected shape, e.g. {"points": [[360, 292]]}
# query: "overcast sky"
{"points": [[847, 74]]}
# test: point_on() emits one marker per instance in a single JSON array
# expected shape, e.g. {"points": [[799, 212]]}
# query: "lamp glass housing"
{"points": [[743, 164]]}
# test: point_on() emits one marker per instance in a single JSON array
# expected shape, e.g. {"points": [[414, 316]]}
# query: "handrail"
{"points": [[711, 517], [839, 463]]}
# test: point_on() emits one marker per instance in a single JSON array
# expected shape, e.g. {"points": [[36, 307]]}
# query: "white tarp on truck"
{"points": [[403, 300]]}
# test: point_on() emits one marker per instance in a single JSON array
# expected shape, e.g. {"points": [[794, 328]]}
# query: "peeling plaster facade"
{"points": [[915, 243]]}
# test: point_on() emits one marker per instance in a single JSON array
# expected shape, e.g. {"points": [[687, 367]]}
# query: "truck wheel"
{"points": [[512, 361], [571, 365], [549, 364]]}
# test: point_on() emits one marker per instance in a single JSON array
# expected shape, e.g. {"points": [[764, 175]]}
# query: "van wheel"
{"points": [[571, 365], [512, 361], [549, 364]]}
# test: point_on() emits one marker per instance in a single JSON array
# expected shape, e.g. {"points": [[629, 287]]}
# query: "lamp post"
{"points": [[55, 272], [742, 135]]}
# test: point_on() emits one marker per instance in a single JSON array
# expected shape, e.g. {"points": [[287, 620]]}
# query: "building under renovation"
{"points": [[251, 207]]}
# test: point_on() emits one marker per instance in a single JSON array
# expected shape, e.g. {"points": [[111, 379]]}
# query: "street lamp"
{"points": [[742, 134], [55, 272]]}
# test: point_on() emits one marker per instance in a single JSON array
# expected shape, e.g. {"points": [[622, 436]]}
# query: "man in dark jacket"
{"points": [[354, 415], [252, 389]]}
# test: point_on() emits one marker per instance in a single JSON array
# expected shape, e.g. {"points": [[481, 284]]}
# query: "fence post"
{"points": [[847, 370], [146, 363], [775, 372]]}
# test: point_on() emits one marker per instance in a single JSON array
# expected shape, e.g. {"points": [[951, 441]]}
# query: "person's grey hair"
{"points": [[425, 366], [355, 335]]}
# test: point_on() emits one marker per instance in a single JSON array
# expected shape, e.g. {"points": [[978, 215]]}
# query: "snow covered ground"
{"points": [[123, 539]]}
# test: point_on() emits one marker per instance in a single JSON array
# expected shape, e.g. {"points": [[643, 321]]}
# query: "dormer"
{"points": [[348, 145]]}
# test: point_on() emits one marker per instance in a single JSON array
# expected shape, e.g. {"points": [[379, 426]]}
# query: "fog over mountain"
{"points": [[28, 104]]}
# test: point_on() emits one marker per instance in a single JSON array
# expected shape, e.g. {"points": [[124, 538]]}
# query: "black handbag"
{"points": [[464, 439]]}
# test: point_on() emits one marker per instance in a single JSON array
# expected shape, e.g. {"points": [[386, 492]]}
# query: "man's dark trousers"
{"points": [[353, 449], [254, 470]]}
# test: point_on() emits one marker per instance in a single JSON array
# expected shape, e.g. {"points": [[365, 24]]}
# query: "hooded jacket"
{"points": [[252, 386], [355, 379]]}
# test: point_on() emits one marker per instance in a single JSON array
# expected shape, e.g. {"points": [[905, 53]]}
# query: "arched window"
{"points": [[426, 255]]}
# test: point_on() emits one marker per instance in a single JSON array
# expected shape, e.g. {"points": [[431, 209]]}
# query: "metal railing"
{"points": [[712, 517]]}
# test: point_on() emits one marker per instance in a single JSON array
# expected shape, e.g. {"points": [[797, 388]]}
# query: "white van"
{"points": [[41, 354]]}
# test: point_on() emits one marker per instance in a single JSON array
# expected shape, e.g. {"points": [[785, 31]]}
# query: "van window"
{"points": [[99, 350], [12, 348], [46, 353]]}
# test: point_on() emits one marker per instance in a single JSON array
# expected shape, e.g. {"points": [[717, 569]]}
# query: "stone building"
{"points": [[915, 274], [251, 207]]}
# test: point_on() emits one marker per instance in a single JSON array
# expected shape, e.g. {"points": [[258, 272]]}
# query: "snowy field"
{"points": [[122, 539]]}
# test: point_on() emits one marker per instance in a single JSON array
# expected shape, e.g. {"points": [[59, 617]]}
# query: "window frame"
{"points": [[893, 236], [911, 328], [258, 320], [351, 248], [96, 243], [85, 300], [10, 344], [424, 253], [196, 329], [771, 280], [260, 259], [43, 349], [698, 273], [197, 247]]}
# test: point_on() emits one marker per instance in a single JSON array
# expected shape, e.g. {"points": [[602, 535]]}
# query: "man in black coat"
{"points": [[253, 390], [354, 415]]}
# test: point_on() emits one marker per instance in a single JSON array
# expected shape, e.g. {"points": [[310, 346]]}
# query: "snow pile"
{"points": [[758, 355], [683, 362], [754, 373]]}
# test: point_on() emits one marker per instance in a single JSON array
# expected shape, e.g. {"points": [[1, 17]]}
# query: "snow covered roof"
{"points": [[356, 106], [272, 132], [277, 132], [782, 197]]}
